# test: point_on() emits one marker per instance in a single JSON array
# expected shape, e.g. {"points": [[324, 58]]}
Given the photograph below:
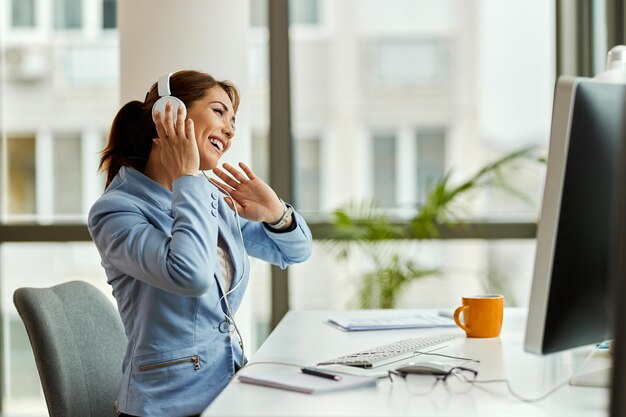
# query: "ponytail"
{"points": [[130, 140]]}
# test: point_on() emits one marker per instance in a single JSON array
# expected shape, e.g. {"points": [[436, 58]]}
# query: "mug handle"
{"points": [[457, 320]]}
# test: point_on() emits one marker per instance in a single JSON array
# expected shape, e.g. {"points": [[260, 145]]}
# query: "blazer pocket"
{"points": [[149, 366]]}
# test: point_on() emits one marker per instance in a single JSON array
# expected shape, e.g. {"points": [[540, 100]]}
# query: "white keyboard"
{"points": [[392, 352]]}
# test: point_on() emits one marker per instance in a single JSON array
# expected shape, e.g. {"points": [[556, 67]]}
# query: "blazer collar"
{"points": [[146, 187]]}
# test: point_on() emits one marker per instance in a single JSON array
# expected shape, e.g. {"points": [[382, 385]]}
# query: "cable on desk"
{"points": [[448, 356], [515, 394], [526, 399]]}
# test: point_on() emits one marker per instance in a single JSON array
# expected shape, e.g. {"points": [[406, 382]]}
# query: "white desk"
{"points": [[304, 338]]}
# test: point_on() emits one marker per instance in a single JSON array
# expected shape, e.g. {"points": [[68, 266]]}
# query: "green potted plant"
{"points": [[365, 228]]}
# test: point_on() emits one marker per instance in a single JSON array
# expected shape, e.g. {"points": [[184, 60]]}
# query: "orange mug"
{"points": [[482, 315]]}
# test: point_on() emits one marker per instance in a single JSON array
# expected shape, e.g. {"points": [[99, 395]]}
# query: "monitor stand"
{"points": [[596, 372]]}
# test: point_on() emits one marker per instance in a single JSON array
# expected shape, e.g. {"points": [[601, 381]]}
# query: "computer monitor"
{"points": [[569, 302]]}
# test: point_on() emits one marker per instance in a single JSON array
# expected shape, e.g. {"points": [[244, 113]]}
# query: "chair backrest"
{"points": [[78, 341]]}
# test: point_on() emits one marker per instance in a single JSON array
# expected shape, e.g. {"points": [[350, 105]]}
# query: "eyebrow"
{"points": [[225, 108]]}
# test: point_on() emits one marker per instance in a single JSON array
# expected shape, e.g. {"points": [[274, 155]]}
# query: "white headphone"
{"points": [[165, 97]]}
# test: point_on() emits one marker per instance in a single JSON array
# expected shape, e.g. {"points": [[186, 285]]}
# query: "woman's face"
{"points": [[214, 120]]}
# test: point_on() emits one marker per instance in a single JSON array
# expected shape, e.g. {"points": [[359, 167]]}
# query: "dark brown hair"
{"points": [[132, 131]]}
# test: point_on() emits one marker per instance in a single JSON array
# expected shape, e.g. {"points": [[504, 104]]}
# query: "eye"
{"points": [[218, 110]]}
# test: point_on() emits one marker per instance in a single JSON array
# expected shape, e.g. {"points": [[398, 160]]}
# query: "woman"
{"points": [[175, 255]]}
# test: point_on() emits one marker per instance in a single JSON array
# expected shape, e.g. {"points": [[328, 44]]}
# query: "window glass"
{"points": [[260, 155], [304, 12], [258, 65], [301, 12], [307, 167], [384, 169], [22, 13], [21, 173], [474, 70], [66, 164], [408, 91], [22, 367], [68, 14], [258, 13], [430, 160], [109, 14], [460, 267], [407, 61], [91, 65]]}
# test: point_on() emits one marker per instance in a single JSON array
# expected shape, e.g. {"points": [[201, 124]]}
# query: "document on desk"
{"points": [[295, 380], [406, 321]]}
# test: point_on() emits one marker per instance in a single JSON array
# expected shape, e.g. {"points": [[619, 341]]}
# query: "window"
{"points": [[384, 169], [261, 155], [430, 160], [68, 14], [301, 12], [258, 13], [91, 65], [109, 14], [308, 170], [22, 367], [407, 61], [22, 13], [21, 175], [258, 55], [304, 12], [67, 186]]}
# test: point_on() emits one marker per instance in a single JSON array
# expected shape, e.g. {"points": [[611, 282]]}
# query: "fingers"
{"points": [[221, 186], [226, 178], [158, 121], [247, 170], [180, 127], [168, 129], [190, 132], [234, 172], [169, 122]]}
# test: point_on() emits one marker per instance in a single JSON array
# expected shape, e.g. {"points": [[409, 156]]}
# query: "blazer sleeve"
{"points": [[181, 263], [282, 249]]}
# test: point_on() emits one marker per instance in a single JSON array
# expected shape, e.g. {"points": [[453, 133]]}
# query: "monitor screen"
{"points": [[569, 303]]}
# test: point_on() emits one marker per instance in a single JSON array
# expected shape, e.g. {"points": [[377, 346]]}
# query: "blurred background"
{"points": [[386, 99]]}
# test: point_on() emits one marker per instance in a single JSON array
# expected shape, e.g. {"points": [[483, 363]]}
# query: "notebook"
{"points": [[294, 380], [411, 321]]}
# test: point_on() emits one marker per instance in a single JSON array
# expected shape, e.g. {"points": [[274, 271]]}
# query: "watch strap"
{"points": [[285, 217]]}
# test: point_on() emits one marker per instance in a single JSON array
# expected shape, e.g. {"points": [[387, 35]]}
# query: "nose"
{"points": [[228, 131]]}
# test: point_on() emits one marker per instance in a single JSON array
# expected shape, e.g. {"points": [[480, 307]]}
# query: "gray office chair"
{"points": [[79, 342]]}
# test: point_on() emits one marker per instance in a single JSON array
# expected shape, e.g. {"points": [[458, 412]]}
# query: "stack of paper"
{"points": [[295, 380], [412, 321]]}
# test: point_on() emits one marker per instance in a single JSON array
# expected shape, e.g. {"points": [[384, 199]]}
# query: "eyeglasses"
{"points": [[456, 379]]}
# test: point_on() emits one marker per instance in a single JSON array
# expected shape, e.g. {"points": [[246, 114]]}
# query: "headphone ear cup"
{"points": [[159, 106]]}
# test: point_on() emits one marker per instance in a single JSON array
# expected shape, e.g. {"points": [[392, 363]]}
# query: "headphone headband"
{"points": [[164, 85]]}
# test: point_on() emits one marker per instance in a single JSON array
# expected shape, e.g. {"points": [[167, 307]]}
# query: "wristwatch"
{"points": [[284, 219]]}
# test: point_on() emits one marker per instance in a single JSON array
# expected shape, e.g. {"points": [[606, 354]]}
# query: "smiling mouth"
{"points": [[217, 144]]}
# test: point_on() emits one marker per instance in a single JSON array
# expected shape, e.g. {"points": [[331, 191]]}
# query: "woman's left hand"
{"points": [[254, 199]]}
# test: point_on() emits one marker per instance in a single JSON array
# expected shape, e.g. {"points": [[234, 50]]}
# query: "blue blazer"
{"points": [[159, 252]]}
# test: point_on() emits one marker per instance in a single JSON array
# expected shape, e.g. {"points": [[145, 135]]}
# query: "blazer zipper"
{"points": [[195, 359]]}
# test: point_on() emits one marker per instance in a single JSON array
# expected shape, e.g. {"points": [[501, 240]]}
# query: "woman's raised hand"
{"points": [[177, 143], [254, 199]]}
